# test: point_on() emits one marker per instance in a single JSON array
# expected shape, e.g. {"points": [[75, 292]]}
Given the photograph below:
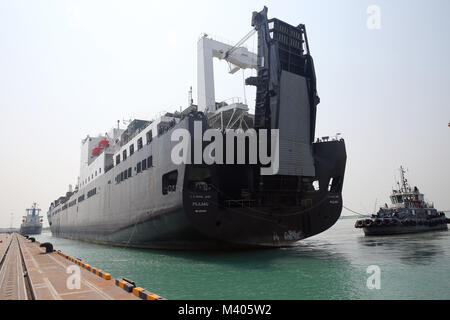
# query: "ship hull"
{"points": [[393, 230], [139, 213], [174, 231], [30, 230]]}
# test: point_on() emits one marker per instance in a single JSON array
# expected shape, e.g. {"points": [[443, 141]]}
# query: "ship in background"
{"points": [[32, 222], [409, 213], [130, 193]]}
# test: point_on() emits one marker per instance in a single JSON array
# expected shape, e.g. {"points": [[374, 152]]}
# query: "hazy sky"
{"points": [[72, 68]]}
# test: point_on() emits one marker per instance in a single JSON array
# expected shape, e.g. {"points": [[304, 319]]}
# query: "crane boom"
{"points": [[207, 49]]}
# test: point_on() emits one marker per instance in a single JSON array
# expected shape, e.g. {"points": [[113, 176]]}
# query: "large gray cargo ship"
{"points": [[32, 222], [131, 192]]}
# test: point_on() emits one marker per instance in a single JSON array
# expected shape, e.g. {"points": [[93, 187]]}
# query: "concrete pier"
{"points": [[12, 282], [27, 272]]}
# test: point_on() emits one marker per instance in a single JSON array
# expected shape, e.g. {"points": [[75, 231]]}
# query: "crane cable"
{"points": [[240, 42]]}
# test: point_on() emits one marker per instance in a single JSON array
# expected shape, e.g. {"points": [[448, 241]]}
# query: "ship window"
{"points": [[121, 176], [149, 137], [131, 149], [100, 170], [92, 192], [124, 155], [139, 144], [169, 182], [139, 167], [144, 164], [129, 172], [117, 159], [125, 174], [150, 162]]}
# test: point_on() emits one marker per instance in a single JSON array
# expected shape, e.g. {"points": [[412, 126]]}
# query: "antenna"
{"points": [[190, 100]]}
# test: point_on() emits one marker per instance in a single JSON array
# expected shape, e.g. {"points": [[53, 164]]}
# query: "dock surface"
{"points": [[12, 282], [27, 272]]}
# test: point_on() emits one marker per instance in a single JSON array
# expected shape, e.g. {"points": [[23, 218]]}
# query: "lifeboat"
{"points": [[103, 144], [96, 151]]}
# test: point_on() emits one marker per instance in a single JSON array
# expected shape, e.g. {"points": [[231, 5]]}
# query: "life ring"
{"points": [[379, 222], [368, 223], [359, 224]]}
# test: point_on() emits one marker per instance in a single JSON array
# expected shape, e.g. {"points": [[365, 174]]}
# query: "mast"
{"points": [[405, 187]]}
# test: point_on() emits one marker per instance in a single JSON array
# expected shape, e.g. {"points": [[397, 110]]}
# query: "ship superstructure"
{"points": [[408, 213], [32, 221], [132, 193]]}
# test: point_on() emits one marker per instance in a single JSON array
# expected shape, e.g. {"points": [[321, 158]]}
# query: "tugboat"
{"points": [[409, 213], [32, 222]]}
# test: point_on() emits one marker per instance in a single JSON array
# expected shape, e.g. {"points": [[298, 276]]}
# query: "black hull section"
{"points": [[393, 230], [275, 217], [30, 230]]}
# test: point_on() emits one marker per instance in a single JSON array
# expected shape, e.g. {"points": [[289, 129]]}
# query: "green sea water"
{"points": [[332, 265]]}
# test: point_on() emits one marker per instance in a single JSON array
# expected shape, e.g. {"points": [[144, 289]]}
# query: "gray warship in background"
{"points": [[409, 213], [32, 222], [130, 193]]}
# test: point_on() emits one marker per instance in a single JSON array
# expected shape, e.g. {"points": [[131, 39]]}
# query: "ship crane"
{"points": [[237, 56]]}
